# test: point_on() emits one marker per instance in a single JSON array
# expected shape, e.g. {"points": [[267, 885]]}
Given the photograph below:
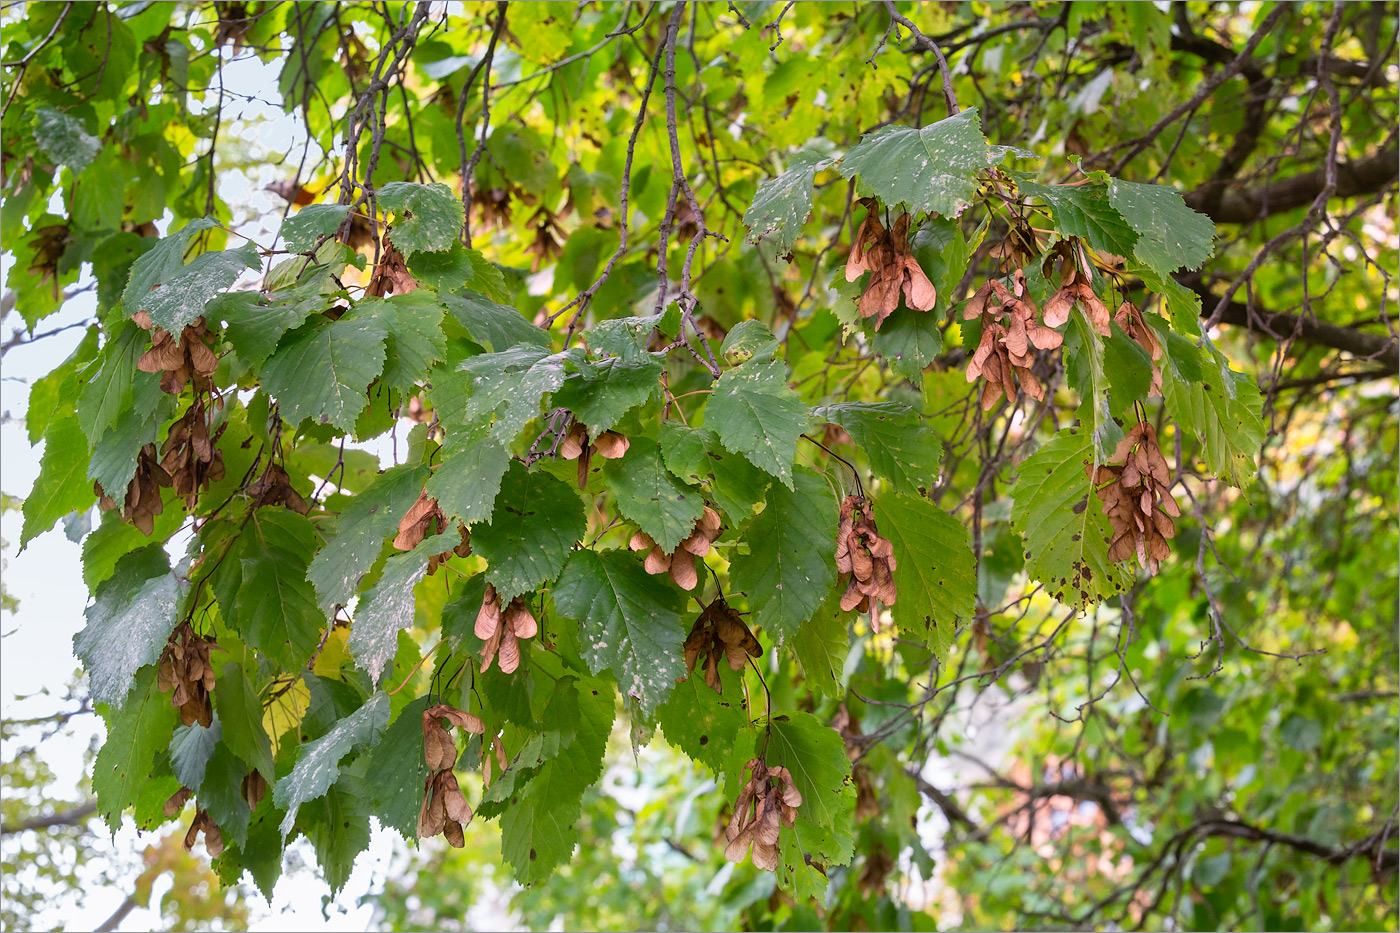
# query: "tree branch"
{"points": [[469, 165], [952, 811], [948, 96], [118, 915], [1207, 88], [1363, 176], [1386, 860], [1382, 348], [71, 817]]}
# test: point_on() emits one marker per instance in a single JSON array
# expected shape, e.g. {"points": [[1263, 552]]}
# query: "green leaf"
{"points": [[1084, 363], [648, 495], [815, 755], [469, 479], [191, 747], [261, 855], [161, 262], [428, 217], [894, 439], [502, 389], [136, 734], [697, 457], [541, 747], [1086, 211], [51, 394], [351, 470], [62, 485], [627, 337], [388, 606], [330, 700], [113, 539], [822, 644], [308, 225], [703, 723], [400, 771], [128, 623], [183, 293], [909, 341], [1210, 401], [536, 523], [100, 57], [1182, 303], [1066, 533], [240, 714], [221, 793], [361, 529], [794, 872], [1170, 234], [599, 394], [100, 199], [629, 622], [322, 370], [254, 322], [936, 573], [496, 327], [782, 204], [318, 765], [754, 413], [64, 140], [748, 340], [537, 829], [791, 563], [337, 826], [928, 169], [416, 341], [460, 268], [107, 382], [114, 458], [1128, 370], [262, 589]]}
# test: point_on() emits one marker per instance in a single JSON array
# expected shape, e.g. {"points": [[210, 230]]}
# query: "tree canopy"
{"points": [[906, 447]]}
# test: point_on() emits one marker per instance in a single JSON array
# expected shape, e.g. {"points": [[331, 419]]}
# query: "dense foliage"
{"points": [[782, 381]]}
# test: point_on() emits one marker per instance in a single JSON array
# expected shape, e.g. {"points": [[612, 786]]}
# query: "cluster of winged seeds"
{"points": [[390, 275], [185, 668], [179, 362], [274, 487], [680, 563], [253, 790], [767, 803], [203, 823], [719, 632], [1076, 287], [424, 519], [502, 629], [188, 455], [865, 560], [576, 446], [1009, 331], [1135, 486], [142, 502], [885, 254], [189, 459], [445, 809]]}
